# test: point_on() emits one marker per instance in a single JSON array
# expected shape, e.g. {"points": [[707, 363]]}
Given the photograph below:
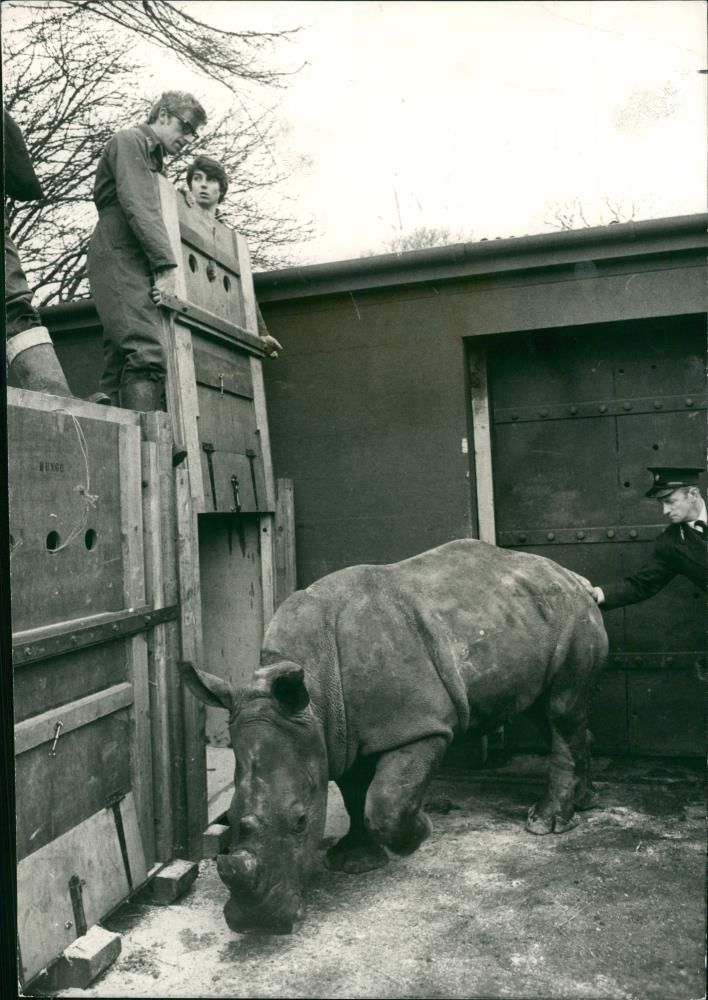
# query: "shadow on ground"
{"points": [[613, 909]]}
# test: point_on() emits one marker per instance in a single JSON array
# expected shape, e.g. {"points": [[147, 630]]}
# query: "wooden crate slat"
{"points": [[40, 729], [284, 542], [92, 852]]}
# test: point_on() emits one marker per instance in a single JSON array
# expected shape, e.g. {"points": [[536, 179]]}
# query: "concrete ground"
{"points": [[613, 909]]}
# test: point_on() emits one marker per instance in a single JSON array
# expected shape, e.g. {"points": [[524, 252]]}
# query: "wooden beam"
{"points": [[42, 728], [284, 543], [131, 478], [189, 499], [168, 736], [481, 429], [30, 400], [182, 402], [259, 402]]}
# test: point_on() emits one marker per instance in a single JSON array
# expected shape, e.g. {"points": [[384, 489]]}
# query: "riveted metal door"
{"points": [[577, 415]]}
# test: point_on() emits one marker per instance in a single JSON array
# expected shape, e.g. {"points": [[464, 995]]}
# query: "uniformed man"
{"points": [[207, 184], [30, 352], [130, 254], [680, 550]]}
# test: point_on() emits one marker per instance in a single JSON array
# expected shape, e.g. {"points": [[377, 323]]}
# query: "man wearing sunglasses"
{"points": [[130, 252]]}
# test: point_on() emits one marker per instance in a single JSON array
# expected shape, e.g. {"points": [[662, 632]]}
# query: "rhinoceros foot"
{"points": [[354, 855], [588, 800], [541, 823]]}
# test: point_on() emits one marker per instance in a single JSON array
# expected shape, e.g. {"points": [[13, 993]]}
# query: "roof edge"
{"points": [[623, 239]]}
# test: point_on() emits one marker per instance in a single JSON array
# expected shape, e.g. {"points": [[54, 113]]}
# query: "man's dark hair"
{"points": [[213, 170]]}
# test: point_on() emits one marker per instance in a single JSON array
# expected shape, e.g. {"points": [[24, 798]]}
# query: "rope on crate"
{"points": [[84, 491]]}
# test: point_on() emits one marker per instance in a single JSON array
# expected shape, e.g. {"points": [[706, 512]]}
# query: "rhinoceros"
{"points": [[365, 678]]}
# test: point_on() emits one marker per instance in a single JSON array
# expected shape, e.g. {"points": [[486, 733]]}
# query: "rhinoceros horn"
{"points": [[239, 870]]}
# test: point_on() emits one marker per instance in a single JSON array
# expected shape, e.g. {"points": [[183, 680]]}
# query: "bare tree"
{"points": [[421, 238], [574, 215], [231, 57], [69, 82]]}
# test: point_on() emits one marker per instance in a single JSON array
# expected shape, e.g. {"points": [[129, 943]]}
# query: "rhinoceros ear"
{"points": [[288, 686], [208, 688]]}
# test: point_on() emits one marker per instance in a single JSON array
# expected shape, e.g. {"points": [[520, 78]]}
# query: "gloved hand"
{"points": [[165, 283], [271, 346]]}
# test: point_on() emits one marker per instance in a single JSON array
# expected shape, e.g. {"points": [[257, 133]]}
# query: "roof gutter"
{"points": [[460, 260]]}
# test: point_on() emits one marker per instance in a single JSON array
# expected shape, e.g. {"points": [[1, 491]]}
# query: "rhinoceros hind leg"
{"points": [[569, 785], [356, 855]]}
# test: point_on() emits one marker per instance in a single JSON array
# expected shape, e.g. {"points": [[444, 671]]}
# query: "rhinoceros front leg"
{"points": [[569, 786], [394, 805], [358, 851]]}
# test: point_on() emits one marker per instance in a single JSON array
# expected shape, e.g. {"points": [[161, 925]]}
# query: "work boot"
{"points": [[143, 394], [147, 394], [33, 362]]}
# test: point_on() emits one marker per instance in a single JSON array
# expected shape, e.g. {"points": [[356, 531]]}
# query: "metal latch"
{"points": [[237, 499], [252, 455], [209, 449], [58, 726], [76, 885]]}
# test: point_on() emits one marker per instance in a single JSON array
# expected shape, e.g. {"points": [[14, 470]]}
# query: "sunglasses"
{"points": [[187, 127]]}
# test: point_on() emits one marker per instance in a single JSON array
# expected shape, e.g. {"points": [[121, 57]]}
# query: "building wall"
{"points": [[368, 402]]}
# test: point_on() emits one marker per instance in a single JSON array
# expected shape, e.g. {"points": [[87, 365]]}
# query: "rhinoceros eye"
{"points": [[300, 823]]}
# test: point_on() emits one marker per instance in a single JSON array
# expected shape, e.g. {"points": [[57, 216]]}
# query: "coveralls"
{"points": [[128, 245], [21, 184]]}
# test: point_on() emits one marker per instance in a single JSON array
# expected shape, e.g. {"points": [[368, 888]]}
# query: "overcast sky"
{"points": [[479, 116], [475, 116]]}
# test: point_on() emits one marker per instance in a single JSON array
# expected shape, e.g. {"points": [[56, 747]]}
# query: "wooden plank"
{"points": [[204, 242], [51, 641], [130, 464], [131, 516], [155, 551], [259, 399], [259, 402], [267, 568], [79, 407], [250, 312], [90, 851], [232, 617], [284, 542], [182, 403], [141, 742], [64, 503], [193, 714], [482, 444], [46, 684], [41, 728]]}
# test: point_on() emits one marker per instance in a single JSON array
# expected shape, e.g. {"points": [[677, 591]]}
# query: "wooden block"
{"points": [[85, 959], [216, 840], [172, 881]]}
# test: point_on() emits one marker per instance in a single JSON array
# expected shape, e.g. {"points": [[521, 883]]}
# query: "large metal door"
{"points": [[576, 417]]}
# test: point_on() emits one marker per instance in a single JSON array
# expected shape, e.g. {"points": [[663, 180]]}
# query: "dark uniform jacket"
{"points": [[21, 182], [678, 551]]}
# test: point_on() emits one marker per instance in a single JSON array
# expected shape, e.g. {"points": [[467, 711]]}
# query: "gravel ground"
{"points": [[613, 909]]}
